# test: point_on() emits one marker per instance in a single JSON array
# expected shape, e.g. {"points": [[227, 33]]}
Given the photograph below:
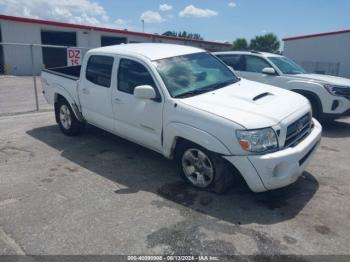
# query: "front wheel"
{"points": [[67, 121], [203, 169]]}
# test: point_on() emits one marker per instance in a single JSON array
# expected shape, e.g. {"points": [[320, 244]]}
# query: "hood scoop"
{"points": [[261, 96]]}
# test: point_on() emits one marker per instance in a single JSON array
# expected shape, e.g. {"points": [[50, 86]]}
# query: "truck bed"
{"points": [[72, 72], [61, 80]]}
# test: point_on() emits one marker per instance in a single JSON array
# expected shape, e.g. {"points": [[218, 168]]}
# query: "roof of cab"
{"points": [[257, 53], [152, 51]]}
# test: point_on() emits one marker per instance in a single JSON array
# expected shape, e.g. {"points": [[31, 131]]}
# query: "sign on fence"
{"points": [[73, 56]]}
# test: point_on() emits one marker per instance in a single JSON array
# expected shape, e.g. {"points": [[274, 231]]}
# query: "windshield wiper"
{"points": [[223, 84], [191, 93], [208, 88]]}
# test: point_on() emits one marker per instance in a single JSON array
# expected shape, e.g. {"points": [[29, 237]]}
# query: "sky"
{"points": [[215, 20]]}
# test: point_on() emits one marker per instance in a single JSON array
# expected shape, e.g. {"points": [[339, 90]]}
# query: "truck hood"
{"points": [[250, 104], [326, 79]]}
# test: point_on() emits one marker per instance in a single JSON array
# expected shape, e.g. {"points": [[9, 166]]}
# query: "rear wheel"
{"points": [[67, 121], [203, 169]]}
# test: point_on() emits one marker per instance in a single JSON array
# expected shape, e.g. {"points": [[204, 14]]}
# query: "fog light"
{"points": [[335, 105]]}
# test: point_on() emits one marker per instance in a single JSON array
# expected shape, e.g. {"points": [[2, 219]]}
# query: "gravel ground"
{"points": [[100, 194], [17, 95]]}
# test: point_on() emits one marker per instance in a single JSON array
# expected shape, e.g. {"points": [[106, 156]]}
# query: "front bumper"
{"points": [[278, 169], [341, 108]]}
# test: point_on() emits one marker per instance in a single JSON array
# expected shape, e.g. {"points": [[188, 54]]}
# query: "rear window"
{"points": [[99, 70], [235, 61]]}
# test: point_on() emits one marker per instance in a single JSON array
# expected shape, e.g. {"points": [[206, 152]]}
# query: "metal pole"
{"points": [[143, 25], [34, 78]]}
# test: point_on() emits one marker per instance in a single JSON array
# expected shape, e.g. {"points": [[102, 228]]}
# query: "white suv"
{"points": [[329, 95]]}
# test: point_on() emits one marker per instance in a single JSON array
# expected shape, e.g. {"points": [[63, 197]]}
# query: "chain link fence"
{"points": [[20, 68], [324, 68]]}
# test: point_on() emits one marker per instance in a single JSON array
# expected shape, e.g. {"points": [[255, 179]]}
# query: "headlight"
{"points": [[337, 90], [257, 141]]}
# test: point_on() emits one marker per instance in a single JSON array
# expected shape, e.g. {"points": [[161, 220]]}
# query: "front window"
{"points": [[255, 64], [132, 74], [235, 61], [194, 74], [287, 66]]}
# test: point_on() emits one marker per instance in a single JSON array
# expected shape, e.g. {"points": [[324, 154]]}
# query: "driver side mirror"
{"points": [[145, 92], [269, 71]]}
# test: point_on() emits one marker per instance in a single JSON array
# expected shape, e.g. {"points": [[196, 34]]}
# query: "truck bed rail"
{"points": [[71, 72]]}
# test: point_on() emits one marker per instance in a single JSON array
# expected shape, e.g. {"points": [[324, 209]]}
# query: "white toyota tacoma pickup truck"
{"points": [[188, 105], [329, 95]]}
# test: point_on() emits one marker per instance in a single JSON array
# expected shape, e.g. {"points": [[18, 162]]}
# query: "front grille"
{"points": [[298, 130], [341, 91]]}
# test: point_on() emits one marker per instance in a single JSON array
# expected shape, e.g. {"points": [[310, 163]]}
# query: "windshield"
{"points": [[287, 66], [194, 74]]}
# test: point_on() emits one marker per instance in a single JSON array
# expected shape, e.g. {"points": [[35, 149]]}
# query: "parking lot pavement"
{"points": [[17, 95], [100, 194]]}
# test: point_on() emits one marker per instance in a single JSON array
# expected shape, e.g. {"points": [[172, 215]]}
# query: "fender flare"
{"points": [[175, 130], [311, 94], [61, 91]]}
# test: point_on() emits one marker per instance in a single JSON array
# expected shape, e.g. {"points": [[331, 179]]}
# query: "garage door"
{"points": [[54, 57], [2, 63], [112, 40]]}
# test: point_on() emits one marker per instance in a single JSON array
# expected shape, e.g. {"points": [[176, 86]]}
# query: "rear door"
{"points": [[95, 91], [139, 120]]}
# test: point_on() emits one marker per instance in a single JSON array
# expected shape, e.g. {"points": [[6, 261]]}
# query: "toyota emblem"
{"points": [[300, 126]]}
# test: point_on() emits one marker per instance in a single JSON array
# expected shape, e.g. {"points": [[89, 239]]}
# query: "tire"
{"points": [[203, 169], [66, 119]]}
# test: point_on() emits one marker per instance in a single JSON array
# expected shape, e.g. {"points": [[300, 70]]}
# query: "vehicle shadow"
{"points": [[336, 128], [135, 169]]}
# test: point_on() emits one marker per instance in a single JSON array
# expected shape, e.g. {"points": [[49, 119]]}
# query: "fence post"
{"points": [[34, 78]]}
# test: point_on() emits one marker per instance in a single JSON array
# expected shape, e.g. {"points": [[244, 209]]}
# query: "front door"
{"points": [[252, 69], [139, 120], [95, 92]]}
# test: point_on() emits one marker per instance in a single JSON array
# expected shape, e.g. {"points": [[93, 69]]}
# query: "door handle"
{"points": [[85, 91], [118, 100]]}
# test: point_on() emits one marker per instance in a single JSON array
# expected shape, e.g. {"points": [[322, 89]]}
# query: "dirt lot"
{"points": [[99, 194]]}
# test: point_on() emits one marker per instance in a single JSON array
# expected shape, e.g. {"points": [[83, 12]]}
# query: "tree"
{"points": [[265, 43], [240, 44], [183, 34]]}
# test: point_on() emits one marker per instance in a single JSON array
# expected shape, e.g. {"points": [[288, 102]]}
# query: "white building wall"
{"points": [[18, 58], [327, 50]]}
